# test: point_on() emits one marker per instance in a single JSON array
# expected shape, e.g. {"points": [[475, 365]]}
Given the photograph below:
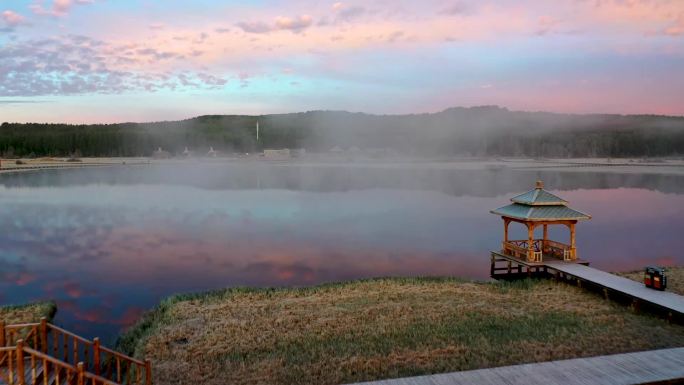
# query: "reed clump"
{"points": [[382, 328]]}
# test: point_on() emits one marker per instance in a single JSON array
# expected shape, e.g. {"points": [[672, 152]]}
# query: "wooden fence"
{"points": [[62, 353]]}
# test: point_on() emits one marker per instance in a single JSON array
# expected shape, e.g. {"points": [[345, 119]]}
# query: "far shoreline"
{"points": [[670, 166]]}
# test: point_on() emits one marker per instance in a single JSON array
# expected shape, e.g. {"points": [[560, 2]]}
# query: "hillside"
{"points": [[477, 131]]}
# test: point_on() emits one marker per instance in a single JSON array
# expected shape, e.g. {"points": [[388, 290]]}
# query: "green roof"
{"points": [[539, 197], [540, 213], [539, 205]]}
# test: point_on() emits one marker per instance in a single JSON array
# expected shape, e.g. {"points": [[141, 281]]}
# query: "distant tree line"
{"points": [[478, 131]]}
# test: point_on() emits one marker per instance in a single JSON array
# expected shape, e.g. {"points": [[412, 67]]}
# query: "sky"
{"points": [[89, 61]]}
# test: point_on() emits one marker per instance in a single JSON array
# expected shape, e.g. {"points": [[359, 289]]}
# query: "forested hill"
{"points": [[477, 131]]}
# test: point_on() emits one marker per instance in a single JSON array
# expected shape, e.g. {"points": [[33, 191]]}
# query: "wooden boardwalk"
{"points": [[612, 285], [654, 366], [636, 290]]}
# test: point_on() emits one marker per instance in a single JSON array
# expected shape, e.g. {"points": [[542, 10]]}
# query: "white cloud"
{"points": [[71, 65], [295, 24]]}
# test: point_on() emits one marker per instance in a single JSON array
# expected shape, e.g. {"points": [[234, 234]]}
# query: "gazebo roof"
{"points": [[540, 213], [539, 197], [539, 205]]}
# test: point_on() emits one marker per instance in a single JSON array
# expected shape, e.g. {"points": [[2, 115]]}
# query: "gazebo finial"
{"points": [[540, 184]]}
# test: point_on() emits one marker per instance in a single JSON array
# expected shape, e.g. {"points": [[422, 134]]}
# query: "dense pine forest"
{"points": [[477, 131]]}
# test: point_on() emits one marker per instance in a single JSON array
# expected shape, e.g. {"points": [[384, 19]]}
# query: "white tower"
{"points": [[257, 130]]}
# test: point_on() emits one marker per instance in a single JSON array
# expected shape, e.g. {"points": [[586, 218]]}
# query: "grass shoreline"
{"points": [[381, 328], [377, 328], [130, 338], [28, 313]]}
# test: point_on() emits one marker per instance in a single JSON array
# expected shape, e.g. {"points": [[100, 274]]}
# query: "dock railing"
{"points": [[73, 350]]}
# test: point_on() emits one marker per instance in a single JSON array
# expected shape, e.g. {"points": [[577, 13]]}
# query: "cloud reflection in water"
{"points": [[107, 251]]}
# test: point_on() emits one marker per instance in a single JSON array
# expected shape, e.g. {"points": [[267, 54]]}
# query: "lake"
{"points": [[106, 244]]}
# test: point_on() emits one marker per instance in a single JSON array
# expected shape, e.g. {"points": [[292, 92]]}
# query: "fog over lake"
{"points": [[109, 243]]}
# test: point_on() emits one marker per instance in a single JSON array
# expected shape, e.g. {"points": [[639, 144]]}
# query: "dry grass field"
{"points": [[27, 313], [675, 278], [382, 328]]}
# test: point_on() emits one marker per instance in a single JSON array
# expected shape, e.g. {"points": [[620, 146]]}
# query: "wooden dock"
{"points": [[649, 367], [610, 285], [636, 290]]}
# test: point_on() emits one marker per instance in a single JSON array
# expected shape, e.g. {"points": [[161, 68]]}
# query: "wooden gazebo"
{"points": [[535, 208]]}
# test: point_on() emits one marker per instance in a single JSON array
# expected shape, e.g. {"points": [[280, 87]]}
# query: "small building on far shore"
{"points": [[161, 154], [298, 153], [280, 154]]}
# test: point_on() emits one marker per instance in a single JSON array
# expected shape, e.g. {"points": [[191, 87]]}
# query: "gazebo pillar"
{"points": [[504, 244], [530, 241], [506, 223], [546, 237], [573, 250]]}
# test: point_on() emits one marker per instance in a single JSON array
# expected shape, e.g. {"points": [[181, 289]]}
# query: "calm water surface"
{"points": [[108, 244]]}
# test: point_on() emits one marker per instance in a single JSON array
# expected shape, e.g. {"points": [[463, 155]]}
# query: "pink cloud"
{"points": [[255, 27], [677, 28], [59, 7], [19, 279], [547, 24], [12, 18], [295, 24], [346, 12], [458, 8]]}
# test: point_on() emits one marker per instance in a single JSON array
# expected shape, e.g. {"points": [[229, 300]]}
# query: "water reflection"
{"points": [[107, 244]]}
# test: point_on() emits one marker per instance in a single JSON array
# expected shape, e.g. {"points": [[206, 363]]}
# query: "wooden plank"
{"points": [[634, 289], [619, 369], [28, 373]]}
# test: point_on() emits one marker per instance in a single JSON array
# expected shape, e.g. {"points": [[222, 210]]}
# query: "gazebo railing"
{"points": [[558, 250], [511, 248], [520, 249]]}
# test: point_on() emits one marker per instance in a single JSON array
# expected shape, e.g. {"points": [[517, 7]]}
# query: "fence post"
{"points": [[148, 371], [81, 374], [96, 355], [43, 334], [2, 339], [491, 267], [20, 362]]}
